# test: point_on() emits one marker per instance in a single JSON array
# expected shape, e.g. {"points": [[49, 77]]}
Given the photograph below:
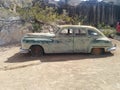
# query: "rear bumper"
{"points": [[112, 48], [24, 50]]}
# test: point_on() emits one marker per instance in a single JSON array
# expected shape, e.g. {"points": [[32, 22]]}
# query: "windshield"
{"points": [[56, 29], [53, 29]]}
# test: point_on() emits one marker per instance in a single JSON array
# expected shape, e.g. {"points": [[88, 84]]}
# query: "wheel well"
{"points": [[97, 51], [37, 45], [97, 47]]}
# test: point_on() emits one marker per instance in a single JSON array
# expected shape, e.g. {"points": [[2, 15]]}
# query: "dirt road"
{"points": [[59, 72]]}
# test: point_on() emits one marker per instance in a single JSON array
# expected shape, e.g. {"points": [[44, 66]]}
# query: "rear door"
{"points": [[81, 40]]}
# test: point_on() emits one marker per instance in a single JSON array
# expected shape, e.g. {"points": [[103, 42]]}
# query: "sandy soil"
{"points": [[59, 71]]}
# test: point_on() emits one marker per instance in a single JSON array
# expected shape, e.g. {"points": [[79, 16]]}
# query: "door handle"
{"points": [[89, 36], [69, 40]]}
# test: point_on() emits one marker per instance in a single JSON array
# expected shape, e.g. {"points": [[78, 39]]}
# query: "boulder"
{"points": [[20, 3], [12, 29]]}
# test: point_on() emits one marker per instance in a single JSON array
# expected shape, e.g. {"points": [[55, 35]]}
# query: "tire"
{"points": [[97, 51], [36, 51]]}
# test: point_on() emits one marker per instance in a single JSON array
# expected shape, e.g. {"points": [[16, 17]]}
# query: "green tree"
{"points": [[42, 15]]}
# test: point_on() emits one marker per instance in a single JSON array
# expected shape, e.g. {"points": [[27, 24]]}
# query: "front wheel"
{"points": [[36, 51], [97, 51]]}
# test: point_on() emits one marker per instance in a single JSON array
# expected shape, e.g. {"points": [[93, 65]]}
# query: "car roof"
{"points": [[79, 26], [67, 26]]}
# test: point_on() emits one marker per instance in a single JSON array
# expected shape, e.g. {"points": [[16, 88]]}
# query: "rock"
{"points": [[17, 18], [20, 3], [12, 34], [12, 28], [1, 42]]}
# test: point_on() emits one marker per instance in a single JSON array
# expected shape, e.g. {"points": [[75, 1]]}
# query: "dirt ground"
{"points": [[59, 71]]}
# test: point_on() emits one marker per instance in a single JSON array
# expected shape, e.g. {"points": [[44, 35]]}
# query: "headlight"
{"points": [[101, 41], [25, 41], [107, 41]]}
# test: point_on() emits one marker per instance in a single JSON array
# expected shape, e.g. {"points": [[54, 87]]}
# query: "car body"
{"points": [[67, 39]]}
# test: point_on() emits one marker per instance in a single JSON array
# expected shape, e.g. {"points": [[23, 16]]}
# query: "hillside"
{"points": [[11, 27], [37, 14]]}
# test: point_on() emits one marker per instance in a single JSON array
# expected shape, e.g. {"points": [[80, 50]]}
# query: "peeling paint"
{"points": [[68, 38]]}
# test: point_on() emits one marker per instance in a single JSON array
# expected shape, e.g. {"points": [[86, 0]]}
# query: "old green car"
{"points": [[67, 39]]}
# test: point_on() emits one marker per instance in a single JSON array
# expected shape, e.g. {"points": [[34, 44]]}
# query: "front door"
{"points": [[64, 41], [81, 40]]}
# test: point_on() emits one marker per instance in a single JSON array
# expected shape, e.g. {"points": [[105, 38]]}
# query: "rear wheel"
{"points": [[97, 51], [36, 51]]}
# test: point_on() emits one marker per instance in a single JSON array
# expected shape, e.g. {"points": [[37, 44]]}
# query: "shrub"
{"points": [[109, 32], [36, 27]]}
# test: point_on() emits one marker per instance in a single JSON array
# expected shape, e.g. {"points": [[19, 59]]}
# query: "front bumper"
{"points": [[112, 48], [24, 50]]}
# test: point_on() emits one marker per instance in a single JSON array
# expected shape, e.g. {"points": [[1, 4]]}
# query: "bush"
{"points": [[36, 27], [109, 32]]}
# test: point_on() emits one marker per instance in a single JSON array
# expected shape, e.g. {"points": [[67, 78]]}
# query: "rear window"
{"points": [[80, 32]]}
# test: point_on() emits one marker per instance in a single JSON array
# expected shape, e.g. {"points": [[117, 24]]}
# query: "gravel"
{"points": [[59, 71]]}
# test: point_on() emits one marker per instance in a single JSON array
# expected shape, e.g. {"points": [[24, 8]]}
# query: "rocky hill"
{"points": [[10, 3], [91, 12], [11, 27]]}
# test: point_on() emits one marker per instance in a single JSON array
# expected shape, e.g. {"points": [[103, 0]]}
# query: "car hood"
{"points": [[40, 35], [103, 38]]}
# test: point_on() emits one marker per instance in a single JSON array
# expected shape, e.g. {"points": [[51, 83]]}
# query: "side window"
{"points": [[92, 33], [80, 32], [66, 32]]}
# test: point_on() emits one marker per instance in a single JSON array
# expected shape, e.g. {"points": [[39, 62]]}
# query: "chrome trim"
{"points": [[112, 48], [24, 50]]}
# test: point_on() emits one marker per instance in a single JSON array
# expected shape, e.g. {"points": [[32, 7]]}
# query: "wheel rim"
{"points": [[97, 51], [36, 51]]}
